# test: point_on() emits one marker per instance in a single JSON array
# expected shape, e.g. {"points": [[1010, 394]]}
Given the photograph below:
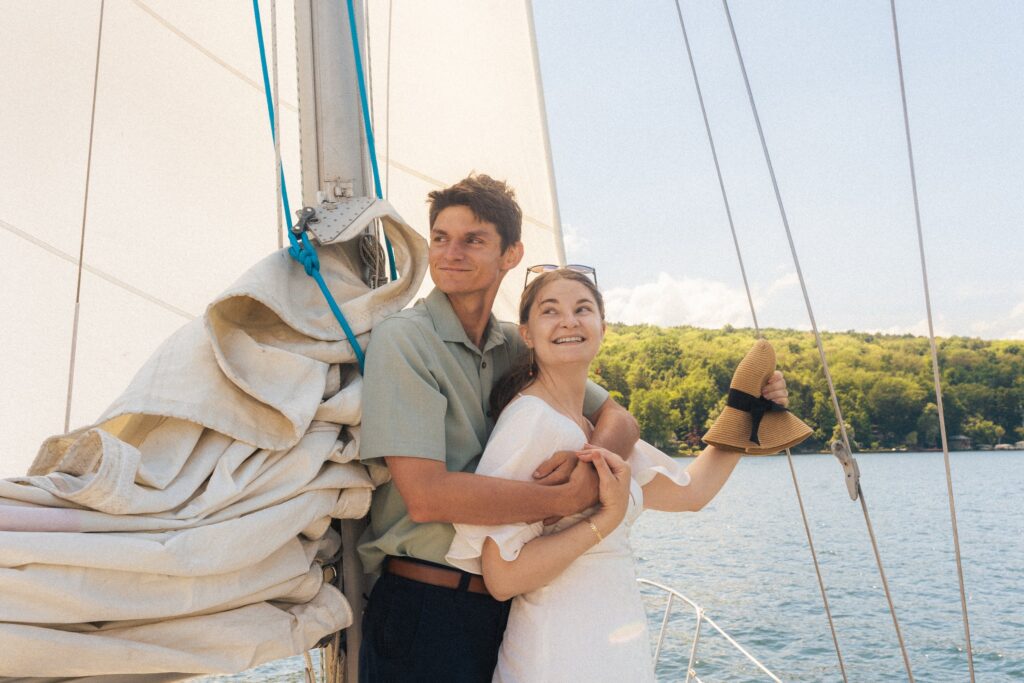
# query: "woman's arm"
{"points": [[544, 558], [708, 474], [614, 429]]}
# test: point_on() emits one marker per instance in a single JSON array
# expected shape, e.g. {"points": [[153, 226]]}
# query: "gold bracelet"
{"points": [[594, 528]]}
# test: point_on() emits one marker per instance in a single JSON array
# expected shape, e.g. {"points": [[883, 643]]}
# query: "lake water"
{"points": [[745, 560]]}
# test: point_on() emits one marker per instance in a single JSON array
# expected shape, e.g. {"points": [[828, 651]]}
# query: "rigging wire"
{"points": [[301, 249], [85, 211], [817, 334], [931, 342], [387, 104], [753, 314], [277, 123], [369, 246], [367, 125]]}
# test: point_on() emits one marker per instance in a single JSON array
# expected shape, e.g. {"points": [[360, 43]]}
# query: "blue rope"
{"points": [[367, 125], [303, 251]]}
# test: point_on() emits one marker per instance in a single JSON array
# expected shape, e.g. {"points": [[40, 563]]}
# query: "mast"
{"points": [[334, 159], [334, 165]]}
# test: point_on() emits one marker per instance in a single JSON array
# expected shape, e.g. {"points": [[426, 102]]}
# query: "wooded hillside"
{"points": [[674, 381]]}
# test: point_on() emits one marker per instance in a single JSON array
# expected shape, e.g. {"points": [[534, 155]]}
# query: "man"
{"points": [[428, 376]]}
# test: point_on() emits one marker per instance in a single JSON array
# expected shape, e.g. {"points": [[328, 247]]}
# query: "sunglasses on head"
{"points": [[589, 271]]}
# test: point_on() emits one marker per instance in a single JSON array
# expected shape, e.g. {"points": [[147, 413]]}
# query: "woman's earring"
{"points": [[533, 363]]}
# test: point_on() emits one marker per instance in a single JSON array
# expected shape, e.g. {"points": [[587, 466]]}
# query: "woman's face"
{"points": [[564, 325]]}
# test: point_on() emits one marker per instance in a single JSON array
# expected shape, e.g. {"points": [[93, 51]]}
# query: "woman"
{"points": [[577, 612]]}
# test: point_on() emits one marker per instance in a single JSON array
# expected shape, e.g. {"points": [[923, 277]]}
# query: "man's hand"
{"points": [[775, 390], [583, 487], [556, 469]]}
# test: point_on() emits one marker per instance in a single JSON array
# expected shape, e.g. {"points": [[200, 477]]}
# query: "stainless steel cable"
{"points": [[814, 327], [817, 567], [931, 342], [753, 314], [387, 106], [277, 125], [85, 211], [718, 167]]}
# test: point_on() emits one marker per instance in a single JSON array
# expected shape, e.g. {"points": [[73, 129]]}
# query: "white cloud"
{"points": [[1008, 327], [576, 245], [783, 283], [686, 301]]}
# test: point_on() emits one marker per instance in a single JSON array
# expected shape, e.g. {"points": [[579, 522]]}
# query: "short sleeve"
{"points": [[594, 398], [396, 378], [646, 462], [526, 434]]}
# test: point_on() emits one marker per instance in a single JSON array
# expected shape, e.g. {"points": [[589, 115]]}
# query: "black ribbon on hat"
{"points": [[757, 406]]}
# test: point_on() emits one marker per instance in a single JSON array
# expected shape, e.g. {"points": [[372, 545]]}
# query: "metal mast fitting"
{"points": [[334, 158]]}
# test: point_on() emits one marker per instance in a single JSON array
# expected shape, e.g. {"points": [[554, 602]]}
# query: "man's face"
{"points": [[465, 253]]}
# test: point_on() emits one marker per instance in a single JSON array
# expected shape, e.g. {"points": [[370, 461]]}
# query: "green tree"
{"points": [[652, 408], [694, 396], [896, 403], [928, 434], [982, 431]]}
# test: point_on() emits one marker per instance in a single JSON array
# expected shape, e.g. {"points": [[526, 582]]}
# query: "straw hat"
{"points": [[750, 423]]}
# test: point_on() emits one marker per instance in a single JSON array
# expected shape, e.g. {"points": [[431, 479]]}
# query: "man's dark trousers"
{"points": [[413, 631]]}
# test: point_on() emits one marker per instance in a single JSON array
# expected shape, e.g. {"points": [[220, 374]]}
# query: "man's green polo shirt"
{"points": [[426, 388]]}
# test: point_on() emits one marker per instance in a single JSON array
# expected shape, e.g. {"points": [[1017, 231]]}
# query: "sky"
{"points": [[640, 201]]}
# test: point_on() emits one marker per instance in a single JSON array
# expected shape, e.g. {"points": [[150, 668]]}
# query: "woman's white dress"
{"points": [[589, 623]]}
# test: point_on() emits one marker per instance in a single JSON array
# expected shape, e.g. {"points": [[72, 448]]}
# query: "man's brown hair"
{"points": [[490, 200]]}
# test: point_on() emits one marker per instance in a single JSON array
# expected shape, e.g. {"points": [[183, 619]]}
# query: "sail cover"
{"points": [[186, 531]]}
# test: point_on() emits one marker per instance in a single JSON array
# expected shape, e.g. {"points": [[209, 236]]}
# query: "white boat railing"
{"points": [[691, 674]]}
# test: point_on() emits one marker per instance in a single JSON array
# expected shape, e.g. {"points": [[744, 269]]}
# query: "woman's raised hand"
{"points": [[775, 389], [613, 486]]}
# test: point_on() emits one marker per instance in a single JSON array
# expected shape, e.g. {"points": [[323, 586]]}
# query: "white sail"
{"points": [[456, 89], [181, 195]]}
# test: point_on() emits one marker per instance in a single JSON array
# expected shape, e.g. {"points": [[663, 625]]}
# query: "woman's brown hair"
{"points": [[524, 370]]}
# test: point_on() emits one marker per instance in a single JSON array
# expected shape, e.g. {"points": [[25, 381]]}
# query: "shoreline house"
{"points": [[959, 442]]}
